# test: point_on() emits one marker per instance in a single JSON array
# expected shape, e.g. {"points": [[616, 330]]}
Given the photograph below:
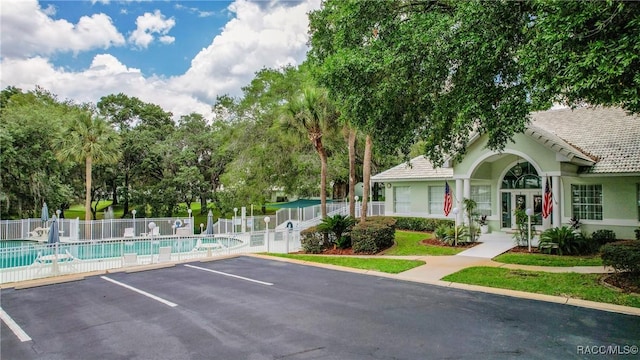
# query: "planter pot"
{"points": [[484, 229]]}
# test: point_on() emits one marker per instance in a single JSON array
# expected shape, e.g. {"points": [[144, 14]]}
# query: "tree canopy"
{"points": [[439, 71]]}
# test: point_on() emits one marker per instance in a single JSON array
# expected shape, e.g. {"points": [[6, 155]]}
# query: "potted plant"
{"points": [[484, 226]]}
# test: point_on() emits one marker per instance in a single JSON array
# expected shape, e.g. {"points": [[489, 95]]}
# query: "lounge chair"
{"points": [[164, 254], [154, 232], [183, 231], [128, 233], [56, 260]]}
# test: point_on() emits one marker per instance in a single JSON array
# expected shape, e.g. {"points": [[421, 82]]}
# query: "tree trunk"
{"points": [[203, 203], [352, 172], [323, 179], [87, 198], [114, 192], [366, 175], [126, 194]]}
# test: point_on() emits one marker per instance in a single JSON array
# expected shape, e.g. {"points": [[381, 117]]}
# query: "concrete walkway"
{"points": [[491, 246]]}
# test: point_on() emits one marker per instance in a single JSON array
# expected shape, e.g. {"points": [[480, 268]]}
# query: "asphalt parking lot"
{"points": [[250, 308]]}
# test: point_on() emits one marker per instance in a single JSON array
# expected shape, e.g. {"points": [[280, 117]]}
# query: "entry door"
{"points": [[521, 200], [528, 199]]}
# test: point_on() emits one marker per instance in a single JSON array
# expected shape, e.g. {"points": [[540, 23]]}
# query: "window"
{"points": [[402, 199], [481, 194], [586, 201], [522, 176], [436, 200]]}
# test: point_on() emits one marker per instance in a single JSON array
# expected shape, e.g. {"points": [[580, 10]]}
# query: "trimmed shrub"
{"points": [[569, 241], [344, 242], [622, 256], [312, 240], [337, 225], [603, 236], [419, 224], [637, 231], [374, 235], [442, 231]]}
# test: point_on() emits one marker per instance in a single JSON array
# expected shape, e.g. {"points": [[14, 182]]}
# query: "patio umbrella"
{"points": [[54, 235], [44, 214], [209, 230]]}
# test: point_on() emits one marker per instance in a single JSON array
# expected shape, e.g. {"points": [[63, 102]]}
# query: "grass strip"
{"points": [[572, 285], [391, 266], [548, 260], [408, 243]]}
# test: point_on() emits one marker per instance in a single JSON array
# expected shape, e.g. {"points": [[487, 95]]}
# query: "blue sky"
{"points": [[177, 54], [196, 23]]}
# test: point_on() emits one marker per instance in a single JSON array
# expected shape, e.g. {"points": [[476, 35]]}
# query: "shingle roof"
{"points": [[607, 137], [418, 168], [601, 140]]}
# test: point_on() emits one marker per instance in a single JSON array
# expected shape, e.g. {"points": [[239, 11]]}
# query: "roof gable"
{"points": [[418, 168], [608, 137]]}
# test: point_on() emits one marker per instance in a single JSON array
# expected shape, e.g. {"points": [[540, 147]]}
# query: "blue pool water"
{"points": [[14, 253]]}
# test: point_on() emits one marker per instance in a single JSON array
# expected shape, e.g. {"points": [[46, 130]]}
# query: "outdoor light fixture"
{"points": [[517, 171], [529, 212], [455, 212], [266, 222], [133, 213]]}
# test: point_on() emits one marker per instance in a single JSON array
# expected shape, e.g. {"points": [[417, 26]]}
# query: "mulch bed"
{"points": [[623, 282], [436, 242], [338, 251], [524, 249]]}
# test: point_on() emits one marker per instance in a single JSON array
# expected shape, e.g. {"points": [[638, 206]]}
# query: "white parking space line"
{"points": [[157, 298], [230, 275], [14, 326]]}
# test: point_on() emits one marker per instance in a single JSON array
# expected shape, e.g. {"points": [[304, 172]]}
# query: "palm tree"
{"points": [[366, 177], [352, 171], [90, 140], [314, 115]]}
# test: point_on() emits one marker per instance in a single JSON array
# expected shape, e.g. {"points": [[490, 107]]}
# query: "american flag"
{"points": [[447, 199], [547, 203]]}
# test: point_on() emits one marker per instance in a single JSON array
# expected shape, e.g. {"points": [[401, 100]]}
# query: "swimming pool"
{"points": [[16, 253]]}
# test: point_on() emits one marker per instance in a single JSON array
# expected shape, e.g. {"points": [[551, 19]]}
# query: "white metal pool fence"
{"points": [[100, 245], [31, 260], [109, 229]]}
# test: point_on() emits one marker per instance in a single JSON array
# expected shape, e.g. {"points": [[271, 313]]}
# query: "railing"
{"points": [[99, 230], [20, 261], [101, 245]]}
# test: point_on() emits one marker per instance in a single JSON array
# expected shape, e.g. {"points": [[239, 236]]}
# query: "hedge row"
{"points": [[374, 235], [622, 255], [312, 240], [420, 224]]}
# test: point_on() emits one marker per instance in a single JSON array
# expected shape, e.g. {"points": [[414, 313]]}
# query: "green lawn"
{"points": [[391, 266], [548, 260], [408, 243], [579, 286]]}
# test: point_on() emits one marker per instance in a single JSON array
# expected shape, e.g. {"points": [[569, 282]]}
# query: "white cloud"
{"points": [[256, 37], [150, 24], [167, 39], [27, 30], [106, 75], [195, 10], [50, 10]]}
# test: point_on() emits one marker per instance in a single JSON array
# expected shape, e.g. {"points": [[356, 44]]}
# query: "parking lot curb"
{"points": [[628, 310]]}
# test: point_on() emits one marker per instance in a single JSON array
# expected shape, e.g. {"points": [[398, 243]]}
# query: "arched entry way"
{"points": [[520, 189]]}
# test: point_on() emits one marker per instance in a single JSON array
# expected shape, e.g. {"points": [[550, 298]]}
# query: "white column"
{"points": [[467, 195], [458, 199], [556, 189]]}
